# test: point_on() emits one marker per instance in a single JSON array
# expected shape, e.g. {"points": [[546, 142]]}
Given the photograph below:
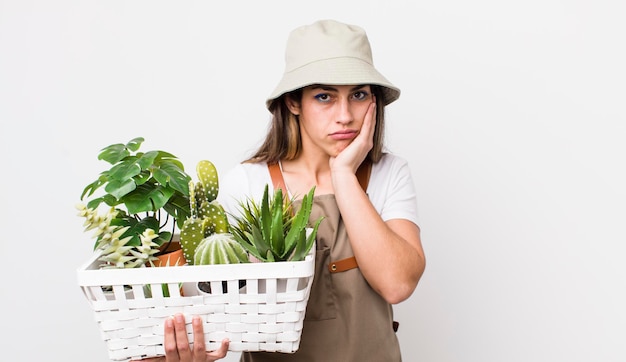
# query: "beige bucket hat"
{"points": [[330, 52]]}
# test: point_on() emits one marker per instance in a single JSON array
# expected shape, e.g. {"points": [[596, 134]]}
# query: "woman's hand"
{"points": [[177, 347], [353, 155]]}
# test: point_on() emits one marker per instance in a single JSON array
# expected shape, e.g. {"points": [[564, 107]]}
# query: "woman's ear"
{"points": [[293, 105]]}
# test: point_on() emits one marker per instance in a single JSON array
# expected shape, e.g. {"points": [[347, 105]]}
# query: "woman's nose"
{"points": [[344, 112]]}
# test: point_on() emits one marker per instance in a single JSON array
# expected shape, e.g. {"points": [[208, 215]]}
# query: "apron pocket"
{"points": [[321, 304]]}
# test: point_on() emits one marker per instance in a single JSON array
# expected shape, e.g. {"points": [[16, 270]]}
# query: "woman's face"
{"points": [[331, 116]]}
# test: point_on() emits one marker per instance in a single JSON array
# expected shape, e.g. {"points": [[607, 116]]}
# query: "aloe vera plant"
{"points": [[271, 231]]}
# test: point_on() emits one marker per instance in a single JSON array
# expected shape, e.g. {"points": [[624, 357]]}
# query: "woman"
{"points": [[327, 131]]}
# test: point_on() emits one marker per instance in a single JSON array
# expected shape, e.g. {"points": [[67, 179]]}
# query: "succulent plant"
{"points": [[221, 248], [271, 231], [207, 216], [117, 252]]}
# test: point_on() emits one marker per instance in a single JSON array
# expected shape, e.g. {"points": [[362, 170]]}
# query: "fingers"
{"points": [[182, 342], [198, 336], [176, 342], [199, 346], [220, 352], [169, 344], [369, 123]]}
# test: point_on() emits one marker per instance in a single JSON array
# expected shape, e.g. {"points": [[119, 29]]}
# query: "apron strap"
{"points": [[277, 177], [363, 174], [343, 265]]}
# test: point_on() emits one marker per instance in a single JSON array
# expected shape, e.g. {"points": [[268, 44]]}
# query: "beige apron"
{"points": [[346, 320]]}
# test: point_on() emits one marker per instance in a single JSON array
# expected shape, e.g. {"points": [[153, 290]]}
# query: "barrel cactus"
{"points": [[220, 248]]}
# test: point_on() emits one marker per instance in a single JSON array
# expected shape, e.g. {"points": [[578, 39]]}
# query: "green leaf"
{"points": [[265, 217], [134, 144], [145, 160], [173, 176], [142, 178], [277, 238], [135, 228], [125, 169], [304, 244], [164, 237], [243, 241], [119, 188], [110, 200], [93, 204], [258, 241], [92, 187], [178, 206], [147, 198], [164, 157], [300, 245], [241, 254], [113, 153], [118, 151], [300, 220], [269, 257]]}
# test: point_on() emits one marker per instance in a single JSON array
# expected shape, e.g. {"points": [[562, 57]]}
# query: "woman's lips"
{"points": [[343, 135]]}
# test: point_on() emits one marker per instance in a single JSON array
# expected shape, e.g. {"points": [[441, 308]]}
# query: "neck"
{"points": [[303, 173]]}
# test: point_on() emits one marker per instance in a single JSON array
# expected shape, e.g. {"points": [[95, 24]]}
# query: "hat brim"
{"points": [[334, 71]]}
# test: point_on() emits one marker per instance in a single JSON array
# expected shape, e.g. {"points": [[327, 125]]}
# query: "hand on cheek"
{"points": [[354, 154]]}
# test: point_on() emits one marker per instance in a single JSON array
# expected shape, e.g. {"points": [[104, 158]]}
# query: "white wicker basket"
{"points": [[265, 315]]}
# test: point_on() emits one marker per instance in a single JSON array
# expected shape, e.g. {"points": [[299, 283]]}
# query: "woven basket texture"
{"points": [[258, 306]]}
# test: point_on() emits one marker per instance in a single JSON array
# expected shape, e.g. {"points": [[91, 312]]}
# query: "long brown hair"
{"points": [[283, 141]]}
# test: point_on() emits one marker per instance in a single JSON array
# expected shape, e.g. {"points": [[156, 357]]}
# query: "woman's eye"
{"points": [[322, 97], [360, 95]]}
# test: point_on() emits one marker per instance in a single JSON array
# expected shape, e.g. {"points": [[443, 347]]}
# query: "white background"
{"points": [[512, 117]]}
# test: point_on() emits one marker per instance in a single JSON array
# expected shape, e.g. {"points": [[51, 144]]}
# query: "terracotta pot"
{"points": [[174, 257]]}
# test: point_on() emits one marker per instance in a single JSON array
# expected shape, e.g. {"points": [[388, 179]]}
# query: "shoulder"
{"points": [[389, 167], [252, 171], [391, 189], [243, 180], [390, 161], [391, 175]]}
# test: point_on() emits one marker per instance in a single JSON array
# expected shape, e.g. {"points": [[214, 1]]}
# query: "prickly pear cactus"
{"points": [[207, 174], [191, 235], [207, 215], [220, 248]]}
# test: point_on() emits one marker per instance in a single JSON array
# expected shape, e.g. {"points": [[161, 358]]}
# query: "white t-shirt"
{"points": [[390, 189]]}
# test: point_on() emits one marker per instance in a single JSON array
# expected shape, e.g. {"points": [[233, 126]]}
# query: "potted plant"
{"points": [[272, 231], [146, 197]]}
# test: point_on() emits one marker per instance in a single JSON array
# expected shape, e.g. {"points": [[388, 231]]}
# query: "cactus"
{"points": [[220, 248], [207, 215]]}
